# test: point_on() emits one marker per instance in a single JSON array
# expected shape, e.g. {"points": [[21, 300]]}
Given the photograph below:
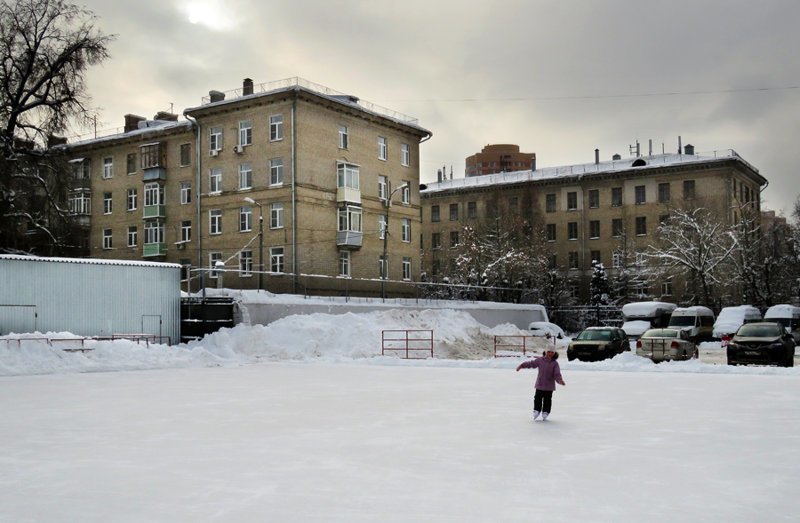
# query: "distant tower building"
{"points": [[499, 158]]}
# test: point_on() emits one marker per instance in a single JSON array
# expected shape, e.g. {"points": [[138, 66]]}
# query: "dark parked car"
{"points": [[598, 343], [762, 342]]}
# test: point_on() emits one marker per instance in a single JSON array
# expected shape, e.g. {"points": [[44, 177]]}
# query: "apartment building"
{"points": [[598, 211], [498, 158], [287, 186]]}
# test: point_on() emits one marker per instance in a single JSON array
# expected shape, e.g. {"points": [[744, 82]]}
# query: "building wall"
{"points": [[497, 158]]}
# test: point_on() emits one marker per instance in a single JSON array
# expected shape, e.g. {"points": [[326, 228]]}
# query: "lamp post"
{"points": [[260, 241], [384, 262]]}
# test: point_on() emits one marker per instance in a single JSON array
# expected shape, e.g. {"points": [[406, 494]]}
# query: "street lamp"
{"points": [[260, 241], [384, 262]]}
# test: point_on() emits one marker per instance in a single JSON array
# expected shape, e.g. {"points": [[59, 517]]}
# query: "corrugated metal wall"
{"points": [[89, 297]]}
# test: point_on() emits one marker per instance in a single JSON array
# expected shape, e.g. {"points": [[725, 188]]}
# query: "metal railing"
{"points": [[408, 341]]}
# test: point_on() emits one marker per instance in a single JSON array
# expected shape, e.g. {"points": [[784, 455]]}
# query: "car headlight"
{"points": [[776, 345], [733, 346]]}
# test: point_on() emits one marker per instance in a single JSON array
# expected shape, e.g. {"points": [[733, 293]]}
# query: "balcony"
{"points": [[349, 239], [154, 174], [348, 194], [154, 249], [154, 211]]}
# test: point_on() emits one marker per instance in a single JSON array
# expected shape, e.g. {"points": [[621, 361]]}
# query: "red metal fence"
{"points": [[511, 346], [408, 341]]}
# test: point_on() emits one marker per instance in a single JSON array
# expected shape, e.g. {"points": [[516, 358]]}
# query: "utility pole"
{"points": [[385, 262], [260, 241]]}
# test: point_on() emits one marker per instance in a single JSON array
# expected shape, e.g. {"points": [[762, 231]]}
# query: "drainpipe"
{"points": [[198, 194], [294, 194]]}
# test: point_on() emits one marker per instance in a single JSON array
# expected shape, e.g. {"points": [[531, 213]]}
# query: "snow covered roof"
{"points": [[586, 169], [93, 261], [646, 308], [782, 311], [152, 127]]}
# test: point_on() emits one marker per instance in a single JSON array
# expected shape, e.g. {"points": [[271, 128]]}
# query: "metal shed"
{"points": [[89, 297]]}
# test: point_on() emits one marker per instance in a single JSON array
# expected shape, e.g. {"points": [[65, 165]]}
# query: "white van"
{"points": [[731, 318], [643, 315], [697, 321], [788, 316]]}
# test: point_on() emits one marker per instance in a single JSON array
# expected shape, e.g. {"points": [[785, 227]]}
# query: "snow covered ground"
{"points": [[303, 420]]}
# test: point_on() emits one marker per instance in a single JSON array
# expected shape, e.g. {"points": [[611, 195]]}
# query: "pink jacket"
{"points": [[549, 372]]}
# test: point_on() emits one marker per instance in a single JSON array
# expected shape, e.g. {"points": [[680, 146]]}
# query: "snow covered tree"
{"points": [[697, 245], [598, 286], [47, 47]]}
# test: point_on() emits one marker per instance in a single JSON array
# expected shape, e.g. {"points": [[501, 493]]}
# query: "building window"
{"points": [[186, 154], [215, 139], [151, 156], [551, 232], [641, 225], [81, 169], [688, 189], [550, 203], [131, 163], [215, 221], [276, 216], [215, 181], [383, 187], [133, 236], [108, 167], [383, 268], [382, 148], [663, 192], [616, 259], [405, 231], [186, 231], [186, 193], [453, 239], [213, 258], [594, 229], [245, 176], [107, 203], [572, 230], [663, 219], [276, 171], [434, 213], [595, 256], [405, 155], [616, 196], [616, 227], [381, 226], [245, 263], [406, 268], [80, 204], [453, 212], [246, 133], [245, 219], [572, 201], [275, 127], [436, 240], [153, 194], [133, 199], [347, 175], [276, 259], [666, 288], [640, 197], [153, 232], [350, 218], [472, 209], [405, 193], [342, 137], [594, 198], [107, 239], [344, 263], [573, 259]]}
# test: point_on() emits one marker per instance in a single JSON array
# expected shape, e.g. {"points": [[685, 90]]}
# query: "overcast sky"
{"points": [[558, 78]]}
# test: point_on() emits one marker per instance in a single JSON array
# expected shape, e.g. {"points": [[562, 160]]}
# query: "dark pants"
{"points": [[543, 400]]}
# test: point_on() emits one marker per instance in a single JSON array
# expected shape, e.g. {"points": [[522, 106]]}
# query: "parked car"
{"points": [[761, 342], [643, 315], [697, 320], [788, 316], [598, 343], [731, 318], [546, 329], [666, 344]]}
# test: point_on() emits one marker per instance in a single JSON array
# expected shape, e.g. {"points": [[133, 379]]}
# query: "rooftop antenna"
{"points": [[634, 149]]}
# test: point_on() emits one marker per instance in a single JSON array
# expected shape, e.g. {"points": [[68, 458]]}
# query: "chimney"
{"points": [[166, 116], [689, 149], [533, 162], [680, 146], [616, 157], [53, 140], [132, 122], [439, 175], [216, 96], [247, 86], [650, 147], [596, 156]]}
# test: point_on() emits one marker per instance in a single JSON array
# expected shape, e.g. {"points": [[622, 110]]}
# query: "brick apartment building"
{"points": [[587, 210], [289, 177], [498, 158]]}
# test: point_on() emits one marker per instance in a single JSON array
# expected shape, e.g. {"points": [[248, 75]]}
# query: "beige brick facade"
{"points": [[280, 148]]}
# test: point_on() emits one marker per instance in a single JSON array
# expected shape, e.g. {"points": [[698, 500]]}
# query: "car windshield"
{"points": [[681, 321], [753, 330], [660, 333], [598, 335]]}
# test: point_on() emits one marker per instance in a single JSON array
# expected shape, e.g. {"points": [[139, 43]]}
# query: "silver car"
{"points": [[666, 344]]}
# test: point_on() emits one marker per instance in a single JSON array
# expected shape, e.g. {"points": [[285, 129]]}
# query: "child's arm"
{"points": [[530, 364]]}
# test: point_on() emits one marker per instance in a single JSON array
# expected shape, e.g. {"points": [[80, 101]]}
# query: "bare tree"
{"points": [[47, 47], [697, 245]]}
